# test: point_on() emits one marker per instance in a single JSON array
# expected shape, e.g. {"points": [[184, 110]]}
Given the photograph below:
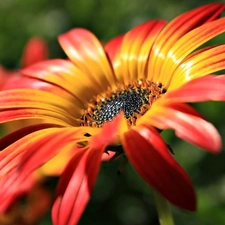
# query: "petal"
{"points": [[186, 123], [41, 153], [33, 114], [18, 82], [76, 183], [200, 89], [135, 49], [85, 50], [13, 186], [67, 76], [149, 155], [189, 42], [112, 49], [28, 98], [35, 50], [11, 156], [163, 48], [75, 187], [18, 134], [204, 62]]}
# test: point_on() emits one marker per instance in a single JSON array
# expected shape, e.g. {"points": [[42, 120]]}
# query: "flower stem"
{"points": [[164, 212]]}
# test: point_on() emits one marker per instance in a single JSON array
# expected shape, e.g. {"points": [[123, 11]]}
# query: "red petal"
{"points": [[75, 186], [76, 183], [13, 137], [12, 186], [200, 89], [112, 48], [149, 155], [17, 81], [186, 123], [36, 50]]}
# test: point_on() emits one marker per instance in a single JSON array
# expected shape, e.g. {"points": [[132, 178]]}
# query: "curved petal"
{"points": [[85, 50], [28, 98], [163, 48], [148, 154], [189, 42], [206, 61], [200, 89], [39, 154], [35, 50], [20, 82], [136, 47], [75, 187], [66, 75], [186, 123], [18, 134], [36, 113], [76, 183]]}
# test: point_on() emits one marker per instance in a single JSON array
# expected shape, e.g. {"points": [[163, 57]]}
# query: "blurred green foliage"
{"points": [[120, 199]]}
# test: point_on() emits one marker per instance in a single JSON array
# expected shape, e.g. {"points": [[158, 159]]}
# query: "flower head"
{"points": [[116, 98]]}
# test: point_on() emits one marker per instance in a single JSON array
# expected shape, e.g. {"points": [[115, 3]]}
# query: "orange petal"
{"points": [[149, 155], [163, 47], [189, 42], [204, 62], [35, 50], [66, 75], [31, 113], [85, 50], [28, 98], [135, 48]]}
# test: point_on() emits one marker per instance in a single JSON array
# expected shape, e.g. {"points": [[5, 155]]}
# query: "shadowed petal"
{"points": [[163, 47], [149, 155], [85, 50], [186, 123], [13, 186], [18, 134]]}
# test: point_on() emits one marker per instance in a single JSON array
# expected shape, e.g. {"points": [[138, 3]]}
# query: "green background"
{"points": [[120, 199]]}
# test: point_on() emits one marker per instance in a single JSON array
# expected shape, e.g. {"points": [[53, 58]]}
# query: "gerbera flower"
{"points": [[116, 98]]}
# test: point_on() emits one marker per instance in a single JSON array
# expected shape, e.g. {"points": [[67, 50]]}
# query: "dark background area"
{"points": [[120, 199]]}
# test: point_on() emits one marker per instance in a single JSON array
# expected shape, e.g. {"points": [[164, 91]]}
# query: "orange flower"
{"points": [[116, 98]]}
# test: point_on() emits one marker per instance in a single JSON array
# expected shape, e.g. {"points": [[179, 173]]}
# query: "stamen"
{"points": [[134, 100]]}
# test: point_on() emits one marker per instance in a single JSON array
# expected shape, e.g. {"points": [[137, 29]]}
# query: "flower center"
{"points": [[134, 100]]}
